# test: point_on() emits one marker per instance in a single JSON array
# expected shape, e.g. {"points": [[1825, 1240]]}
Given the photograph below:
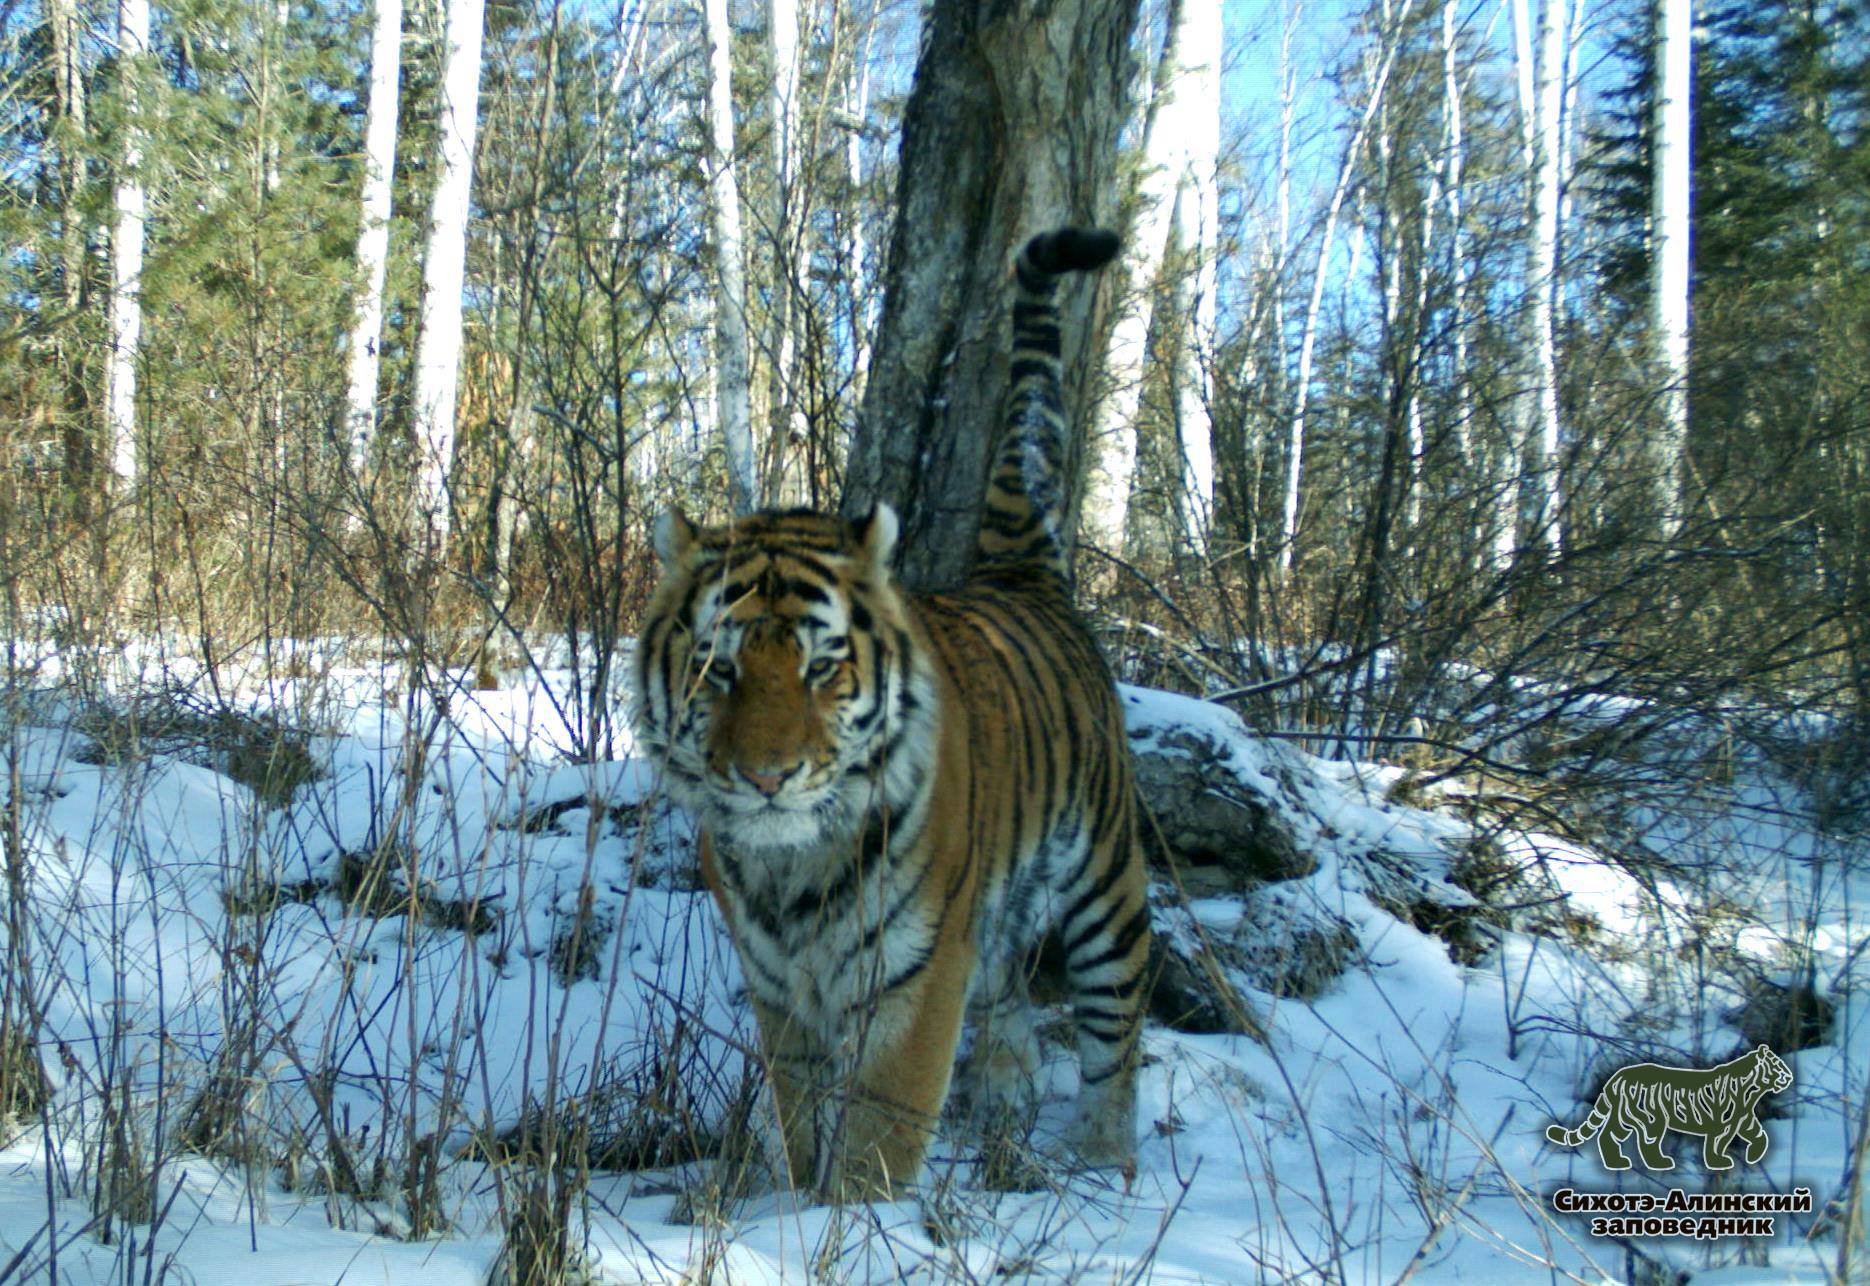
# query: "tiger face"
{"points": [[776, 677]]}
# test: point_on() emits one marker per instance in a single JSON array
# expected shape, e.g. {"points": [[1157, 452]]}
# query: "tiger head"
{"points": [[1767, 1070], [776, 677]]}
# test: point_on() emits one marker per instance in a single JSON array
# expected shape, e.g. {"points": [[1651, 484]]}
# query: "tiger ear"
{"points": [[877, 535], [674, 536]]}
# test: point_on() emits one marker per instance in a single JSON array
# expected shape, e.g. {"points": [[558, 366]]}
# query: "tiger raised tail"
{"points": [[899, 794]]}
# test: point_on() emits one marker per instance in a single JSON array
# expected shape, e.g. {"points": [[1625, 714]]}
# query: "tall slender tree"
{"points": [[373, 231], [1535, 418], [733, 405], [1196, 236], [1111, 441], [1671, 136], [438, 354], [1348, 167], [126, 246], [71, 108]]}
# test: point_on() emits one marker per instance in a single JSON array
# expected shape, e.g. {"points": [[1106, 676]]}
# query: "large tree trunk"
{"points": [[438, 354], [1669, 223], [126, 249], [373, 233], [732, 400], [1011, 128]]}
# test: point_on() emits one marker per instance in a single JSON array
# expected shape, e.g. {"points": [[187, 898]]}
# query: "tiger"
{"points": [[899, 793], [1646, 1099]]}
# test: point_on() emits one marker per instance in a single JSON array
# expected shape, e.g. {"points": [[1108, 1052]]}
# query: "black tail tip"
{"points": [[1072, 250]]}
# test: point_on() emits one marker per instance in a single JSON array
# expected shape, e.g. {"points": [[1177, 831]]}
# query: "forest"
{"points": [[1471, 488]]}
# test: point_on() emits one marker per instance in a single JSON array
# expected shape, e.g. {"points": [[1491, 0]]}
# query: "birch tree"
{"points": [[1453, 193], [1196, 234], [1011, 127], [732, 402], [1308, 335], [856, 98], [438, 353], [373, 232], [1535, 417], [786, 217], [126, 244], [1670, 199], [1111, 441], [71, 107]]}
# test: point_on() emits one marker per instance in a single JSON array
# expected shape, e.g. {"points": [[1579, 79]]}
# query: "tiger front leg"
{"points": [[1001, 1077], [1714, 1144], [1753, 1134], [882, 1126], [798, 1065], [1000, 1081]]}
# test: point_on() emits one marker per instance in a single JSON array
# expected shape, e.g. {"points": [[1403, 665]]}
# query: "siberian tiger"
{"points": [[1721, 1104], [900, 793]]}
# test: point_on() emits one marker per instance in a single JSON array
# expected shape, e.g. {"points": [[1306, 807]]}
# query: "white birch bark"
{"points": [[732, 403], [1197, 230], [438, 353], [1549, 517], [373, 232], [788, 426], [126, 258], [1539, 423], [856, 248], [1669, 232], [1418, 437], [1455, 196], [1347, 169], [1166, 133]]}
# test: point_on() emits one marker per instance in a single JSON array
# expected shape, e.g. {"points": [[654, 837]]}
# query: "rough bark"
{"points": [[373, 233], [126, 253], [1011, 128], [438, 353]]}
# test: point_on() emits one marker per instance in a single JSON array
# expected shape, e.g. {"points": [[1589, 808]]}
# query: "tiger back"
{"points": [[898, 794]]}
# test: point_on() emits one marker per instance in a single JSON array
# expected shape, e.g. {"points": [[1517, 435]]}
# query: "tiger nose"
{"points": [[768, 783]]}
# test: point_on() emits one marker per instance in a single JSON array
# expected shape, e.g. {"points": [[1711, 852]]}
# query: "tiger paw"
{"points": [[1105, 1140]]}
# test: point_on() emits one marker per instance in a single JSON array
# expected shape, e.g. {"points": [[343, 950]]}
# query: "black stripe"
{"points": [[1105, 883], [1121, 943]]}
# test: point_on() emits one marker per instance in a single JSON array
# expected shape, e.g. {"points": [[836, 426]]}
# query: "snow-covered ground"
{"points": [[224, 978]]}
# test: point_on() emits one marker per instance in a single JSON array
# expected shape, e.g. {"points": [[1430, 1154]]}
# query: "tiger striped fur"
{"points": [[899, 794]]}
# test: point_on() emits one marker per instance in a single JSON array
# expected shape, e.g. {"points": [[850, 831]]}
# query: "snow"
{"points": [[1392, 1123]]}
